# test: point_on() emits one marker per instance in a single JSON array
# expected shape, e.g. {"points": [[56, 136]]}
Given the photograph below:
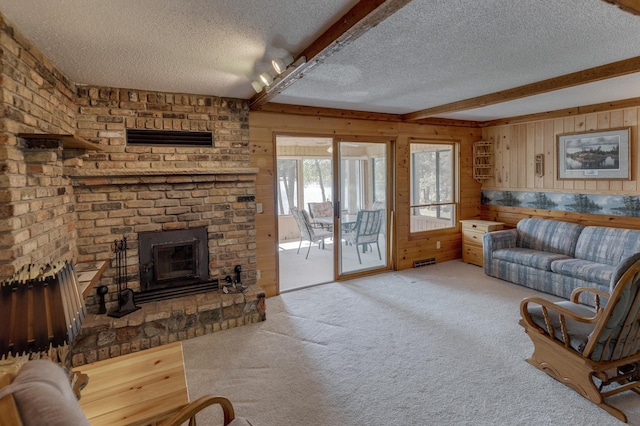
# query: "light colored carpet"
{"points": [[438, 345]]}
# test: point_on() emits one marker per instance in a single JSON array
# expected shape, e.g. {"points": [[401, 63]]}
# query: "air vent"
{"points": [[424, 262], [168, 137]]}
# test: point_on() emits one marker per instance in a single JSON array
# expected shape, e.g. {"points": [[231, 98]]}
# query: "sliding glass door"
{"points": [[332, 206], [362, 210]]}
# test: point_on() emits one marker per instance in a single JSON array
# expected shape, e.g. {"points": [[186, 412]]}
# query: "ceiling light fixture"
{"points": [[281, 64], [269, 82], [266, 78], [257, 85]]}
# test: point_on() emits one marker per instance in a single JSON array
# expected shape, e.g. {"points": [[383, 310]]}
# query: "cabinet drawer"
{"points": [[472, 255], [472, 237], [481, 226]]}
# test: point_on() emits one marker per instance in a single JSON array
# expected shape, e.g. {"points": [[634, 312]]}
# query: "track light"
{"points": [[257, 85], [266, 78], [281, 64], [274, 81]]}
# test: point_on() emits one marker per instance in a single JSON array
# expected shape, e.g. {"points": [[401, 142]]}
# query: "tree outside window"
{"points": [[433, 186]]}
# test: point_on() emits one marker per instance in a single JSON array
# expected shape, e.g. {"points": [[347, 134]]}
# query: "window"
{"points": [[317, 180], [433, 186], [351, 173], [287, 185], [312, 175], [379, 181]]}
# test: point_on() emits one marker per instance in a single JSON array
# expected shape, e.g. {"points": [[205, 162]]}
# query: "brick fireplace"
{"points": [[137, 203], [64, 202]]}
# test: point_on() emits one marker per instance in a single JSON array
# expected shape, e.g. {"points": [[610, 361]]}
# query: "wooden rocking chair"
{"points": [[189, 412], [594, 352]]}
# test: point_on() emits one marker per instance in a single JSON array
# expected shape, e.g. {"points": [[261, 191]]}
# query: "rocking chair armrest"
{"points": [[190, 410], [551, 306], [575, 294]]}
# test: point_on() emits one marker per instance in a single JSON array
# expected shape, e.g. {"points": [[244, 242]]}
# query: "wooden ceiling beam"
{"points": [[308, 111], [566, 112], [591, 75], [356, 22]]}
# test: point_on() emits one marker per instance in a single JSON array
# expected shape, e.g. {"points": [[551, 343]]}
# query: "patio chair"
{"points": [[366, 231], [308, 232], [595, 352], [324, 210]]}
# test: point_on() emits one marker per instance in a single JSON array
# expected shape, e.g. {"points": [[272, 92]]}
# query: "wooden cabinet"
{"points": [[472, 232]]}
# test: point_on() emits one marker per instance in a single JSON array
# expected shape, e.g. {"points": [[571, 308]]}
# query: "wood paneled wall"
{"points": [[263, 128], [515, 147]]}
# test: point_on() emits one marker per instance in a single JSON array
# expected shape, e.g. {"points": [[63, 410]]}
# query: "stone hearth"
{"points": [[159, 323]]}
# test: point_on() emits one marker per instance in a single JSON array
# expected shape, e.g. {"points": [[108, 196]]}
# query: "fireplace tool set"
{"points": [[126, 304], [234, 286]]}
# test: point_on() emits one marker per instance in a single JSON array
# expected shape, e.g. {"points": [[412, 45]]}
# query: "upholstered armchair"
{"points": [[41, 393]]}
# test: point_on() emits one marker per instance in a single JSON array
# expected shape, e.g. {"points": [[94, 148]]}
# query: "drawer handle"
{"points": [[474, 226]]}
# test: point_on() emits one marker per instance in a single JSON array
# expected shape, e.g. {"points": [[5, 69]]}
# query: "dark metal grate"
{"points": [[168, 137], [424, 262]]}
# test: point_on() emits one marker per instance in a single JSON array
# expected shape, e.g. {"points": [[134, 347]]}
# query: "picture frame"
{"points": [[594, 155]]}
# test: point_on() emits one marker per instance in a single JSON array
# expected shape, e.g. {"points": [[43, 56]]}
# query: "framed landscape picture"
{"points": [[594, 155]]}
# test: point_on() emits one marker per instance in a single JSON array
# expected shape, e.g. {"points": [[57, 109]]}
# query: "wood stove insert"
{"points": [[173, 263]]}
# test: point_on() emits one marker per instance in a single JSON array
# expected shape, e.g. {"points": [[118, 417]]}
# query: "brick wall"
{"points": [[37, 219], [72, 204]]}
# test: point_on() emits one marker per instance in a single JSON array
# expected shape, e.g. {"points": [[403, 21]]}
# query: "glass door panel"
{"points": [[305, 232], [361, 214]]}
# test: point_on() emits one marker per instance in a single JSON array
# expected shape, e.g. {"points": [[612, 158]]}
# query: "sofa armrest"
{"points": [[492, 241]]}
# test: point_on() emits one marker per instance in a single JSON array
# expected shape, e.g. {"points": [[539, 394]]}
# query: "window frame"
{"points": [[453, 146]]}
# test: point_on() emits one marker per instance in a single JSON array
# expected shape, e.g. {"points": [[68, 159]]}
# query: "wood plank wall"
{"points": [[263, 128], [517, 144]]}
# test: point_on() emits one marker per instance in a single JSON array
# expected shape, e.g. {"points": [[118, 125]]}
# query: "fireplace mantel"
{"points": [[93, 177], [78, 173]]}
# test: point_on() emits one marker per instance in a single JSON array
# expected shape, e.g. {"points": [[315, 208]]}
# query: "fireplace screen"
{"points": [[175, 261], [173, 258]]}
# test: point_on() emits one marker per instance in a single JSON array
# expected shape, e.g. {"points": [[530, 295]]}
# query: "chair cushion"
{"points": [[578, 332], [324, 209], [43, 395], [535, 259]]}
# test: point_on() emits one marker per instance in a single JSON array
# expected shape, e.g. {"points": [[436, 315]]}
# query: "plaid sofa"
{"points": [[555, 257]]}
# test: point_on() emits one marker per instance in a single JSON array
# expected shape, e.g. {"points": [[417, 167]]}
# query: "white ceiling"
{"points": [[429, 53]]}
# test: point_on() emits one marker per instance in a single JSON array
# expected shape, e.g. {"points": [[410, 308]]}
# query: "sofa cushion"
{"points": [[584, 270], [607, 245], [43, 395], [535, 259], [552, 236]]}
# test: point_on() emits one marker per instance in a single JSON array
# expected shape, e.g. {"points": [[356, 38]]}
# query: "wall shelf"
{"points": [[482, 160], [68, 141]]}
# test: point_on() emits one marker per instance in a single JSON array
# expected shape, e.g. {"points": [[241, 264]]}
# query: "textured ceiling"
{"points": [[429, 53]]}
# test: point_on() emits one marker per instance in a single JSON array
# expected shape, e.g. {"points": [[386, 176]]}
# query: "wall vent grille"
{"points": [[168, 137], [424, 262]]}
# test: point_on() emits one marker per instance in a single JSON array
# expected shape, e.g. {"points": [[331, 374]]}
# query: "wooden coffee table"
{"points": [[135, 389]]}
